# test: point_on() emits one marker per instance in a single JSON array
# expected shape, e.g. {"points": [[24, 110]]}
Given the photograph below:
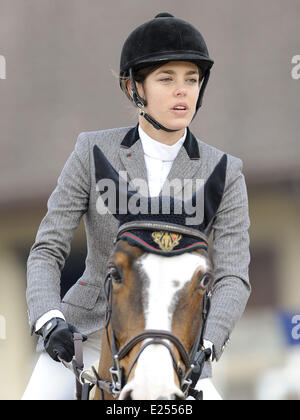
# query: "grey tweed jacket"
{"points": [[75, 197]]}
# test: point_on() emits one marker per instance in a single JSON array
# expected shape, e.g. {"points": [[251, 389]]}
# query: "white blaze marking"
{"points": [[166, 277]]}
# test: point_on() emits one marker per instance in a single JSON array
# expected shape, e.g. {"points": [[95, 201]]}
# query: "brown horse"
{"points": [[154, 317]]}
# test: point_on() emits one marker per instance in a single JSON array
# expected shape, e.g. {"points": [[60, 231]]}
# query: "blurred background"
{"points": [[58, 62]]}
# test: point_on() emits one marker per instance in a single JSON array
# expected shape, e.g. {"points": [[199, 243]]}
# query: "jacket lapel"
{"points": [[185, 165]]}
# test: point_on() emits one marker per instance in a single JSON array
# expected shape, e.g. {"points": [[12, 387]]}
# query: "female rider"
{"points": [[164, 71]]}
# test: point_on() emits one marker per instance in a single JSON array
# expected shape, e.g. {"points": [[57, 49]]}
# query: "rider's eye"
{"points": [[116, 275], [205, 281]]}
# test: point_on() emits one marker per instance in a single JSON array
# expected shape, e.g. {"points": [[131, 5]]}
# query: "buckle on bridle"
{"points": [[116, 377], [185, 386], [186, 382]]}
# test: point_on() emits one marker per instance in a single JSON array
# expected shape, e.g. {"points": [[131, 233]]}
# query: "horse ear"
{"points": [[213, 192], [113, 188], [103, 169], [208, 196]]}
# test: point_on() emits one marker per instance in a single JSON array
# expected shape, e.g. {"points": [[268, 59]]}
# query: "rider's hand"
{"points": [[58, 339]]}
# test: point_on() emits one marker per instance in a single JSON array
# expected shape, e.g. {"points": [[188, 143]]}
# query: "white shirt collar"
{"points": [[157, 150]]}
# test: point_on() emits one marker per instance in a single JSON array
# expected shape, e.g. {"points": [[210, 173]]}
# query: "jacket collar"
{"points": [[183, 169]]}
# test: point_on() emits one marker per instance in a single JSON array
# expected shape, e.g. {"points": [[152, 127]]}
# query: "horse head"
{"points": [[156, 288]]}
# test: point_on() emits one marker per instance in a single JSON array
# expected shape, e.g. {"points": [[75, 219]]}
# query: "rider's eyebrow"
{"points": [[188, 73]]}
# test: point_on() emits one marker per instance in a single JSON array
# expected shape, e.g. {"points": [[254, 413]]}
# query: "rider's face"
{"points": [[172, 92]]}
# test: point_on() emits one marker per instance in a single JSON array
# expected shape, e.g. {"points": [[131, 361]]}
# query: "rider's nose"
{"points": [[180, 92]]}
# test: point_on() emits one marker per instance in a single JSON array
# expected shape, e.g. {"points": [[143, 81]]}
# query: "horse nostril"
{"points": [[173, 397], [177, 397], [127, 396]]}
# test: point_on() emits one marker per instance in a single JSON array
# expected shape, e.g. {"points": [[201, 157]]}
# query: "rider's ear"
{"points": [[128, 87], [139, 87]]}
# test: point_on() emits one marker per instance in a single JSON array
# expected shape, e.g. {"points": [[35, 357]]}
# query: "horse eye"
{"points": [[115, 275], [205, 280]]}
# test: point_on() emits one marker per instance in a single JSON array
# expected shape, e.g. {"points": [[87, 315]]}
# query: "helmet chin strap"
{"points": [[155, 123], [141, 103]]}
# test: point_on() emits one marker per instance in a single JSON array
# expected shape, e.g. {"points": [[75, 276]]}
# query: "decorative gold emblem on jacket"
{"points": [[166, 240]]}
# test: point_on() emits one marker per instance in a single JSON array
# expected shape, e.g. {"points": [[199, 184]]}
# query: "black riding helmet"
{"points": [[162, 39]]}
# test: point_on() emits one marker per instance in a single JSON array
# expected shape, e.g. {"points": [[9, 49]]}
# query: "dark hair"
{"points": [[140, 76]]}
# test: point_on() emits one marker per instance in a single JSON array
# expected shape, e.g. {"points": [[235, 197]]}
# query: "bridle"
{"points": [[193, 361]]}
